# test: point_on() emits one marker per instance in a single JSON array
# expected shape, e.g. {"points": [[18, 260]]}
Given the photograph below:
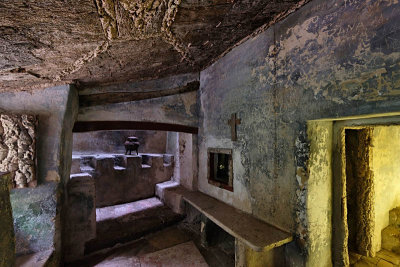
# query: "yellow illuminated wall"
{"points": [[386, 171]]}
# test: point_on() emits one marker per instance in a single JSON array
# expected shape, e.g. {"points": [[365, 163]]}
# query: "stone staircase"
{"points": [[391, 234]]}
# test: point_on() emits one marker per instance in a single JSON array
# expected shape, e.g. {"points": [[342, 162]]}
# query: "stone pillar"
{"points": [[173, 148], [81, 215], [7, 237]]}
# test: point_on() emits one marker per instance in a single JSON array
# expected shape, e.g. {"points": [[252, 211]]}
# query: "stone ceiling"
{"points": [[52, 42]]}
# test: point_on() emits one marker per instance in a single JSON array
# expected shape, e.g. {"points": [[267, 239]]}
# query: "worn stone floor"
{"points": [[33, 260], [172, 246], [185, 254], [383, 258]]}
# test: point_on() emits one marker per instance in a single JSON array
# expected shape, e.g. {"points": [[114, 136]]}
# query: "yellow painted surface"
{"points": [[386, 170], [267, 258], [319, 197]]}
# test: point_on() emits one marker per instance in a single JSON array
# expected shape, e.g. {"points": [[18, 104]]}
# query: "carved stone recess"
{"points": [[17, 148]]}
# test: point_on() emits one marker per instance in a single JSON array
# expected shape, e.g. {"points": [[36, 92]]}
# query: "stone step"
{"points": [[87, 169], [119, 168], [130, 221], [394, 217], [391, 239], [161, 187]]}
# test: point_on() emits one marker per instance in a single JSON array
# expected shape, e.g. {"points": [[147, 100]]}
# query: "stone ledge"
{"points": [[256, 234]]}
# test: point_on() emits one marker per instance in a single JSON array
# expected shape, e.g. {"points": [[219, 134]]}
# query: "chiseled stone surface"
{"points": [[43, 44], [18, 148]]}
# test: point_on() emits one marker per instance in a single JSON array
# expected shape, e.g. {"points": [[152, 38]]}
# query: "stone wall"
{"points": [[330, 59], [113, 141], [123, 178], [37, 211], [175, 109], [386, 174]]}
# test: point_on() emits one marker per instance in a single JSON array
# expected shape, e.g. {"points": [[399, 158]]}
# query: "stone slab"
{"points": [[185, 254], [127, 222], [114, 212], [256, 234]]}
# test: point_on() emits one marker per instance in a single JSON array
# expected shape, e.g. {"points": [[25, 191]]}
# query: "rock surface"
{"points": [[17, 148], [108, 41]]}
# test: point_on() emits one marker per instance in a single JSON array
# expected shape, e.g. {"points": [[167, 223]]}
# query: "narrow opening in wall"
{"points": [[359, 191], [220, 168], [366, 191]]}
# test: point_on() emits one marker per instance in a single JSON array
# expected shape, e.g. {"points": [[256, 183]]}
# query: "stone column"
{"points": [[7, 237]]}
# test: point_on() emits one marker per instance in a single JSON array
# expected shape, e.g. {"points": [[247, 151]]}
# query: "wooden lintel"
{"points": [[120, 97], [88, 126]]}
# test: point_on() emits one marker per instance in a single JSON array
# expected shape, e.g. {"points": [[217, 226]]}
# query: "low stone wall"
{"points": [[123, 178], [81, 215]]}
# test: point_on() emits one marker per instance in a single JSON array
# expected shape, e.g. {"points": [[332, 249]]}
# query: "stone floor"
{"points": [[185, 254], [33, 260], [172, 246], [383, 258]]}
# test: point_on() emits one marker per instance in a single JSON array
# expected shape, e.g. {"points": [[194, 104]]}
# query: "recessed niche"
{"points": [[220, 168]]}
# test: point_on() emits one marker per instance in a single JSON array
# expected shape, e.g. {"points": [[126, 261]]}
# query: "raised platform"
{"points": [[124, 178], [256, 234], [126, 222]]}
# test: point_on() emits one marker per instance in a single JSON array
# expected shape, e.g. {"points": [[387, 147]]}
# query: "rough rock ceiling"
{"points": [[46, 43]]}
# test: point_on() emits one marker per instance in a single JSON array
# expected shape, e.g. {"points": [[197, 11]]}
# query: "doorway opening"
{"points": [[119, 195], [365, 174]]}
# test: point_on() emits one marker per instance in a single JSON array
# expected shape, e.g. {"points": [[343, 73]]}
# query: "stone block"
{"points": [[389, 256], [133, 162], [104, 164], [174, 200], [161, 187], [391, 239], [81, 215], [394, 217], [75, 165]]}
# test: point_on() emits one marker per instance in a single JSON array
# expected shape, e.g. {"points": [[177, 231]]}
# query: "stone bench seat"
{"points": [[256, 234]]}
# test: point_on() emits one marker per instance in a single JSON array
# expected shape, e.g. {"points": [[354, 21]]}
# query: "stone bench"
{"points": [[254, 233]]}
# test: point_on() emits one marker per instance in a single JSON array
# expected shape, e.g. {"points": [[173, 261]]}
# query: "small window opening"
{"points": [[220, 168]]}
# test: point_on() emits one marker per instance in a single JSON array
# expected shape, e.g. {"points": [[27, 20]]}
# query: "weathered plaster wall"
{"points": [[385, 151], [176, 109], [329, 59], [318, 196], [36, 211], [113, 141]]}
